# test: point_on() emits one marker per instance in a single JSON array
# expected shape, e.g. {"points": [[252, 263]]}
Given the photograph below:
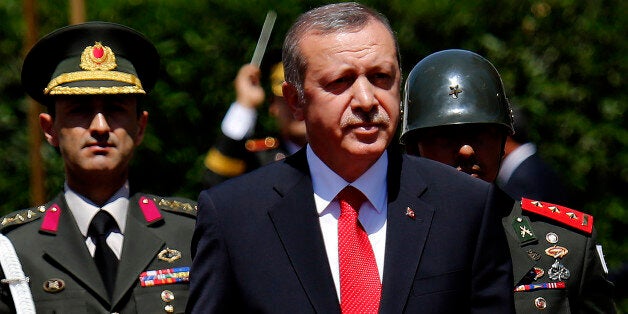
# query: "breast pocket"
{"points": [[62, 306], [71, 299], [162, 299], [441, 283], [551, 300]]}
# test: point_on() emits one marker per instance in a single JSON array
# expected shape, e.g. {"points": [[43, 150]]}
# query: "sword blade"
{"points": [[264, 36]]}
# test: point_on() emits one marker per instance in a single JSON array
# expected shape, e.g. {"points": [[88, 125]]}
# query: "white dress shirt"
{"points": [[84, 210], [327, 184]]}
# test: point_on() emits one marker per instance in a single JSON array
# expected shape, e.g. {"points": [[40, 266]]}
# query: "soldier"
{"points": [[456, 112], [94, 248], [236, 152]]}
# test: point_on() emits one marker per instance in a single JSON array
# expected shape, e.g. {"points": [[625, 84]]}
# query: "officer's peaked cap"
{"points": [[93, 58]]}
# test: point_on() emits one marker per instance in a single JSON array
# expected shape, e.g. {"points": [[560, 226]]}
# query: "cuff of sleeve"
{"points": [[239, 121]]}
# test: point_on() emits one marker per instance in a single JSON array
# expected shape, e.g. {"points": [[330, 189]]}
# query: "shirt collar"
{"points": [[84, 209], [512, 161], [327, 184]]}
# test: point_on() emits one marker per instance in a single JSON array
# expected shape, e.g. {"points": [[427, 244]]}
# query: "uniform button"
{"points": [[169, 308], [540, 303]]}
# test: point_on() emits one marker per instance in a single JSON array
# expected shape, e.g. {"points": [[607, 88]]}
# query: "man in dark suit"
{"points": [[523, 173], [95, 248], [557, 266], [345, 225]]}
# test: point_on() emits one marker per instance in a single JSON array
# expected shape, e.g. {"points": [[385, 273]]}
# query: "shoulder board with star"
{"points": [[21, 217], [262, 144], [567, 216], [176, 205]]}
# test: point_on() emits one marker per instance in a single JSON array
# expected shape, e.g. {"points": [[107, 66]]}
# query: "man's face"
{"points": [[476, 149], [95, 134], [351, 89]]}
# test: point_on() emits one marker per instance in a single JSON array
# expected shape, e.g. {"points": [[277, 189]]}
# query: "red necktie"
{"points": [[360, 288]]}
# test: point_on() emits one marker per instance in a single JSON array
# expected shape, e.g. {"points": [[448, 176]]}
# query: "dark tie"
{"points": [[360, 287], [102, 224]]}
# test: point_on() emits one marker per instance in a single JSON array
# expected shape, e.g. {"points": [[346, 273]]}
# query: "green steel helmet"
{"points": [[454, 87]]}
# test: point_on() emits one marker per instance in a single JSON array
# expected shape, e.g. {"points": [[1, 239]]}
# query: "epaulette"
{"points": [[262, 144], [562, 214], [176, 205], [21, 217]]}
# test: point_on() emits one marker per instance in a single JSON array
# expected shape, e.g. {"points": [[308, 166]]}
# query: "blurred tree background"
{"points": [[563, 61]]}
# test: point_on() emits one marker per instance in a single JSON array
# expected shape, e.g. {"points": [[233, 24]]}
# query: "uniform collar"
{"points": [[84, 209]]}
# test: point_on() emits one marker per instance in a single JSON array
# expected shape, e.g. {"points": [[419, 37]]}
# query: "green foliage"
{"points": [[563, 61]]}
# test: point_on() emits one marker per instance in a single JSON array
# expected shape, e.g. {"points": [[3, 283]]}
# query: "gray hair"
{"points": [[328, 19]]}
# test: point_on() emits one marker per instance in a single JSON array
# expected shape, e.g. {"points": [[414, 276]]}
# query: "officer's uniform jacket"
{"points": [[556, 265], [63, 276], [229, 158]]}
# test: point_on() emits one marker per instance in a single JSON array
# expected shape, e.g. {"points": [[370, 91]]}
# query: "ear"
{"points": [[47, 125], [142, 122], [292, 99]]}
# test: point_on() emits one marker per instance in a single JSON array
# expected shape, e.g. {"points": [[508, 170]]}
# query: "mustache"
{"points": [[362, 117]]}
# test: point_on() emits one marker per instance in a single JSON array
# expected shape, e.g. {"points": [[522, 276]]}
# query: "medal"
{"points": [[551, 237], [558, 271], [556, 251], [535, 256]]}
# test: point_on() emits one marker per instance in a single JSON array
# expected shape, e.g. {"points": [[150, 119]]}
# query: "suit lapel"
{"points": [[297, 225], [141, 246], [69, 251], [405, 236]]}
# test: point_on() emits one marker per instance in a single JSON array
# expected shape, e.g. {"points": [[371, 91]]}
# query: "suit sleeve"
{"points": [[596, 292], [211, 277], [492, 290]]}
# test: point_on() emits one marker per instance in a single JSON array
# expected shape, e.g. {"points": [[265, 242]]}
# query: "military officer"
{"points": [[95, 248], [236, 151], [456, 112]]}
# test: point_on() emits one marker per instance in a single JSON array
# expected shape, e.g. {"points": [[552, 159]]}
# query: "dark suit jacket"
{"points": [[534, 179], [258, 245], [64, 256]]}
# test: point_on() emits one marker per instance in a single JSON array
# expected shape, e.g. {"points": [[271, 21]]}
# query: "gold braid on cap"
{"points": [[97, 61]]}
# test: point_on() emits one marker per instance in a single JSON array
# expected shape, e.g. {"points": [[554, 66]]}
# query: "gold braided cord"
{"points": [[93, 76], [224, 165], [113, 90]]}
